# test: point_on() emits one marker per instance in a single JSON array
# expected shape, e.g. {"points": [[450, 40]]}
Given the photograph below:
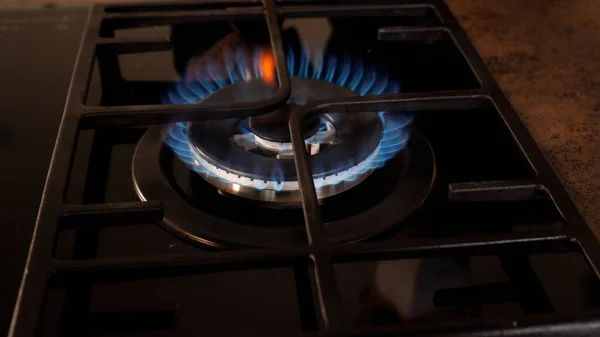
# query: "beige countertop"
{"points": [[545, 54]]}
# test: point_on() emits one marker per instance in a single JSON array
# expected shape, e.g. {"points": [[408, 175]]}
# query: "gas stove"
{"points": [[298, 168]]}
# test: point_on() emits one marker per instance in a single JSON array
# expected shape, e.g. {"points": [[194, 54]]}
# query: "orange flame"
{"points": [[267, 64]]}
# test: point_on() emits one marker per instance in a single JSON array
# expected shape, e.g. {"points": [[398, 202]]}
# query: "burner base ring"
{"points": [[153, 181]]}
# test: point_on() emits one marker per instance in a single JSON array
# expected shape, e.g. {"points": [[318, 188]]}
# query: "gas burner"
{"points": [[200, 213], [238, 161], [211, 170], [253, 158]]}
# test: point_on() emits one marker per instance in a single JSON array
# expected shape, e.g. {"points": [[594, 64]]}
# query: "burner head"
{"points": [[273, 126], [244, 163], [253, 157]]}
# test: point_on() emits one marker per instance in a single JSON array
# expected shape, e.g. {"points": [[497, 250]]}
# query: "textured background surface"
{"points": [[545, 54]]}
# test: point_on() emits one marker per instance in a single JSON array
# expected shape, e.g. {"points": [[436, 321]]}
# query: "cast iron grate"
{"points": [[42, 268]]}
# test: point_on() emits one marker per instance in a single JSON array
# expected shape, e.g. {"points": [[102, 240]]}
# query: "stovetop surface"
{"points": [[37, 83], [470, 145]]}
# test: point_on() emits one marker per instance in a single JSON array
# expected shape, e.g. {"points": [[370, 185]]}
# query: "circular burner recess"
{"points": [[403, 185], [216, 177]]}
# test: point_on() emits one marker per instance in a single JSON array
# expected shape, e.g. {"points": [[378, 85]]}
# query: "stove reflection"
{"points": [[462, 288], [401, 290]]}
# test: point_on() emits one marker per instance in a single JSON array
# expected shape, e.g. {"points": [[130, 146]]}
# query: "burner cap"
{"points": [[273, 126]]}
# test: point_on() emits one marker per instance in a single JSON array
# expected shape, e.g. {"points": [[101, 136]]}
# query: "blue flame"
{"points": [[242, 65]]}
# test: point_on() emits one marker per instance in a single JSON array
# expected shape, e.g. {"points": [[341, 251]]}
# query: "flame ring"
{"points": [[353, 75]]}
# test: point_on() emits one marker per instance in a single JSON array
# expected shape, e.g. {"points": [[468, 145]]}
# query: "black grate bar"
{"points": [[474, 295], [138, 115], [496, 190], [137, 19], [553, 325], [128, 46], [330, 301], [180, 5], [304, 294], [541, 241], [328, 291], [435, 100], [416, 9], [113, 214], [119, 269], [566, 325], [78, 294], [426, 34], [589, 247]]}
